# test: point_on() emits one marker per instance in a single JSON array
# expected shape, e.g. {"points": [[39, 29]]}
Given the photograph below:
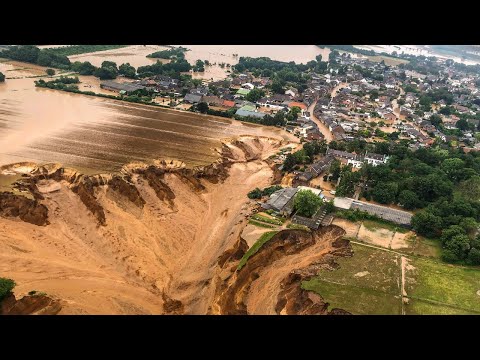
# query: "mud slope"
{"points": [[144, 241], [270, 281]]}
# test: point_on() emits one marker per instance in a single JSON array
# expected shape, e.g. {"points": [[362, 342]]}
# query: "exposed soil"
{"points": [[30, 305], [143, 241], [270, 282]]}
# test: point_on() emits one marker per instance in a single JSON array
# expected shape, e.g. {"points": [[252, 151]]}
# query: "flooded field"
{"points": [[225, 54], [99, 135], [136, 55]]}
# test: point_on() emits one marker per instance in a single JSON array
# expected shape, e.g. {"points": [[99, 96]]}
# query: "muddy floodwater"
{"points": [[101, 135], [136, 55]]}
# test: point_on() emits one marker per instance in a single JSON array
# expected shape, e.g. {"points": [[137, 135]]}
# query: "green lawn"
{"points": [[367, 283], [358, 301], [253, 250], [420, 307], [261, 224], [442, 283], [298, 227], [267, 219]]}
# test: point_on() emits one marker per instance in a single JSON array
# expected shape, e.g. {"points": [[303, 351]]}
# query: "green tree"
{"points": [[107, 64], [2, 77], [474, 257], [127, 70], [462, 124], [426, 223], [83, 68], [255, 94], [458, 245], [307, 203], [409, 200], [6, 287], [202, 107], [384, 193], [454, 168], [50, 72], [277, 87], [105, 73]]}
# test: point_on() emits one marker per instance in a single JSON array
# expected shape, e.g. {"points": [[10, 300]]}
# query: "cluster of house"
{"points": [[282, 202], [355, 160]]}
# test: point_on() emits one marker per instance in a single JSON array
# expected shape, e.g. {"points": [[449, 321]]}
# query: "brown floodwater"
{"points": [[217, 54], [101, 135], [136, 55]]}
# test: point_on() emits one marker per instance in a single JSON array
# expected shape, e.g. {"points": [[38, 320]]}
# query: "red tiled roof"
{"points": [[229, 103], [299, 104]]}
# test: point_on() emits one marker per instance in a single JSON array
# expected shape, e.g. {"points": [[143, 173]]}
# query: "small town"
{"points": [[361, 166]]}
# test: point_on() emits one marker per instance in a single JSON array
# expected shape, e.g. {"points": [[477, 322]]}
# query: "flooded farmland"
{"points": [[99, 135]]}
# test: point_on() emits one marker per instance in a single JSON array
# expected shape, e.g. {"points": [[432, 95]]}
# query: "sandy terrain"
{"points": [[263, 293], [123, 267]]}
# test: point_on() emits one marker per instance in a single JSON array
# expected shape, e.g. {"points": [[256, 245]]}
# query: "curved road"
{"points": [[323, 129]]}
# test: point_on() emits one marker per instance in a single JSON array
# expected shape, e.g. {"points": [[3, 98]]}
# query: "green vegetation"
{"points": [[374, 225], [305, 155], [452, 286], [175, 53], [255, 94], [82, 49], [199, 66], [60, 83], [173, 69], [281, 73], [267, 219], [254, 249], [367, 283], [2, 77], [32, 54], [258, 194], [307, 203], [261, 224], [127, 70], [6, 287], [50, 72], [107, 71], [298, 227]]}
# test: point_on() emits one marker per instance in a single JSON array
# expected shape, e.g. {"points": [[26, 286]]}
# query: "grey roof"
{"points": [[374, 156], [192, 98], [279, 199], [344, 154], [245, 113], [397, 216], [128, 87]]}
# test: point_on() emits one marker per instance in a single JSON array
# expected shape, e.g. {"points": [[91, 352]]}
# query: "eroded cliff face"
{"points": [[142, 241], [270, 282], [30, 305]]}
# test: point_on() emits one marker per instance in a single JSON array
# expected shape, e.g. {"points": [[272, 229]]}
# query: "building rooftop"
{"points": [[279, 199]]}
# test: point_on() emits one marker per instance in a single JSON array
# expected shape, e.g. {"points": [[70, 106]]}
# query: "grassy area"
{"points": [[373, 225], [422, 246], [298, 227], [82, 49], [420, 307], [267, 220], [260, 224], [357, 300], [390, 61], [253, 250], [446, 284]]}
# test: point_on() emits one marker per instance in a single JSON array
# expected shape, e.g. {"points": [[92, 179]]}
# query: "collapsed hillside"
{"points": [[131, 242], [270, 282], [158, 239]]}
